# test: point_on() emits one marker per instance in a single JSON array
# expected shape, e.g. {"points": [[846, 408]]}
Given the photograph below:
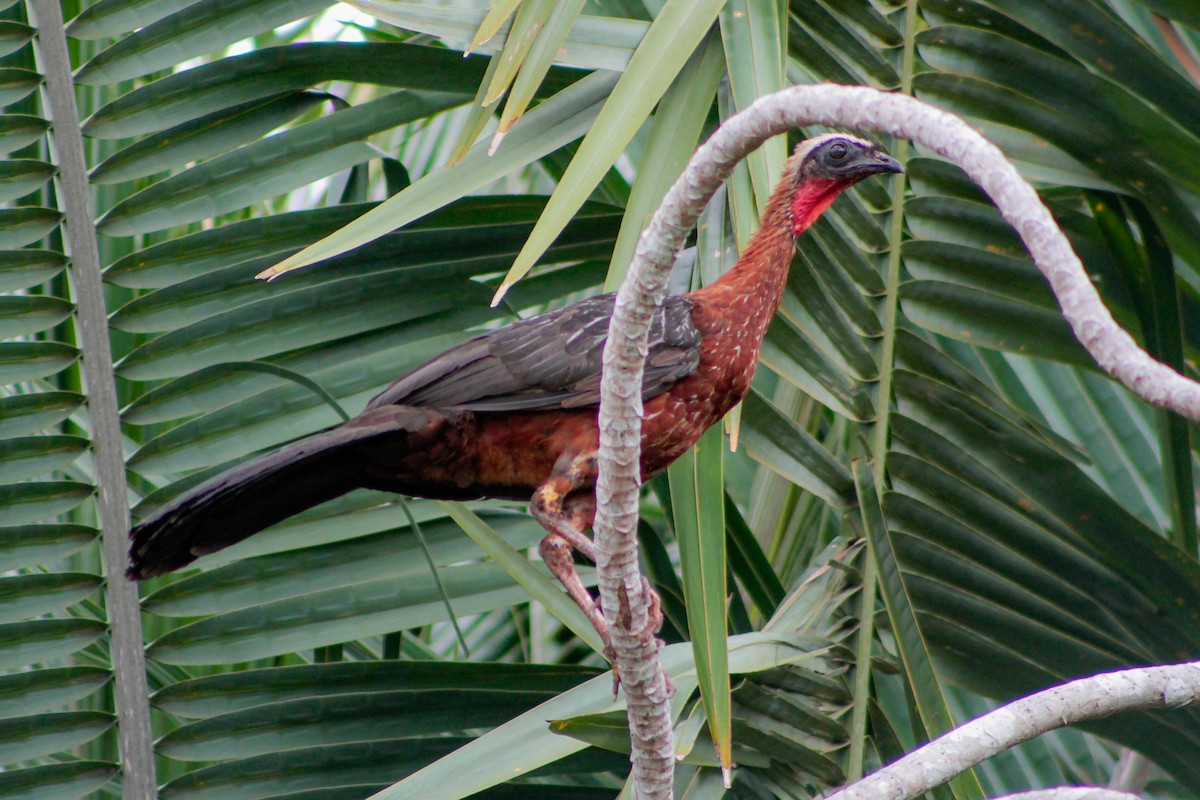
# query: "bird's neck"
{"points": [[754, 286]]}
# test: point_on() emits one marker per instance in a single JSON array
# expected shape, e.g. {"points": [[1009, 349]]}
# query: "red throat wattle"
{"points": [[811, 199]]}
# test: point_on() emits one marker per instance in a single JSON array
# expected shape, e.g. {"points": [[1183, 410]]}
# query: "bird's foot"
{"points": [[566, 510], [646, 634], [556, 553]]}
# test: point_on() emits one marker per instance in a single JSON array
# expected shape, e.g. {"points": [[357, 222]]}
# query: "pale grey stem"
{"points": [[1071, 793], [131, 693], [1078, 701], [620, 404], [1132, 772]]}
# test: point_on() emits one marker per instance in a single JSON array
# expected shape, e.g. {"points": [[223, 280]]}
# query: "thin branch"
{"points": [[121, 598], [1021, 720], [620, 407], [1072, 793]]}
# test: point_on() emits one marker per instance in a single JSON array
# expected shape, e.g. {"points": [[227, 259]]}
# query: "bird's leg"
{"points": [[567, 521], [566, 506]]}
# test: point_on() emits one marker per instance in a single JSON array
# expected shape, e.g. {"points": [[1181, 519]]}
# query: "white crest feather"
{"points": [[808, 145]]}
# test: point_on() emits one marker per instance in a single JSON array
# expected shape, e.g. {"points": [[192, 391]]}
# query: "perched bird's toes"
{"points": [[654, 615]]}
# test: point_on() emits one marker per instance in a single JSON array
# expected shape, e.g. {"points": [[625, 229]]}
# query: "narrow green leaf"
{"points": [[1118, 434], [393, 554], [20, 176], [491, 759], [1180, 10], [27, 693], [1016, 278], [481, 230], [1139, 68], [308, 310], [21, 269], [22, 315], [537, 62], [20, 130], [23, 643], [988, 320], [936, 543], [26, 545], [200, 139], [67, 781], [697, 494], [754, 36], [179, 98], [374, 715], [843, 291], [793, 356], [841, 246], [811, 308], [342, 614], [670, 140], [33, 456], [750, 563], [554, 123], [1152, 279], [609, 731], [208, 251], [813, 60], [316, 769], [23, 361], [21, 226], [23, 503], [497, 15], [17, 84], [660, 569], [111, 18], [707, 784], [198, 28], [23, 414], [26, 596], [534, 581], [269, 167], [526, 28], [836, 32], [14, 36], [915, 353], [233, 692], [1060, 501], [675, 34], [594, 42], [778, 443], [935, 716], [27, 738], [477, 119], [869, 19]]}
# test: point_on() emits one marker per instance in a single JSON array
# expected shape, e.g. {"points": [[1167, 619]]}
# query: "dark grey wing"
{"points": [[548, 362]]}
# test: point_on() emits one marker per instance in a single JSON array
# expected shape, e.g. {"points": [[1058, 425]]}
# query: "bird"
{"points": [[512, 413]]}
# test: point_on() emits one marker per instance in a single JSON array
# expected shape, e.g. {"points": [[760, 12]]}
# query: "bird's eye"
{"points": [[838, 151]]}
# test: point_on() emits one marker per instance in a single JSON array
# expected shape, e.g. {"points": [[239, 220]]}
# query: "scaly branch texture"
{"points": [[1072, 793], [620, 408]]}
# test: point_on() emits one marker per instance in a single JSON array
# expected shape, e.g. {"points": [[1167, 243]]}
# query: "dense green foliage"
{"points": [[1028, 520]]}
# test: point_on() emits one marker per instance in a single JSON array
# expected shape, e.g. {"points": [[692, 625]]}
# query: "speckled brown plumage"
{"points": [[512, 413]]}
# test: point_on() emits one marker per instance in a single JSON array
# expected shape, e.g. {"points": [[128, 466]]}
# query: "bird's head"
{"points": [[824, 166]]}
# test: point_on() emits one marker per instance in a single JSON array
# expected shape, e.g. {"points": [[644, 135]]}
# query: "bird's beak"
{"points": [[873, 163], [889, 164]]}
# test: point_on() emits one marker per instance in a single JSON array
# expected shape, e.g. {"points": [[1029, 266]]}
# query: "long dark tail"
{"points": [[256, 494]]}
